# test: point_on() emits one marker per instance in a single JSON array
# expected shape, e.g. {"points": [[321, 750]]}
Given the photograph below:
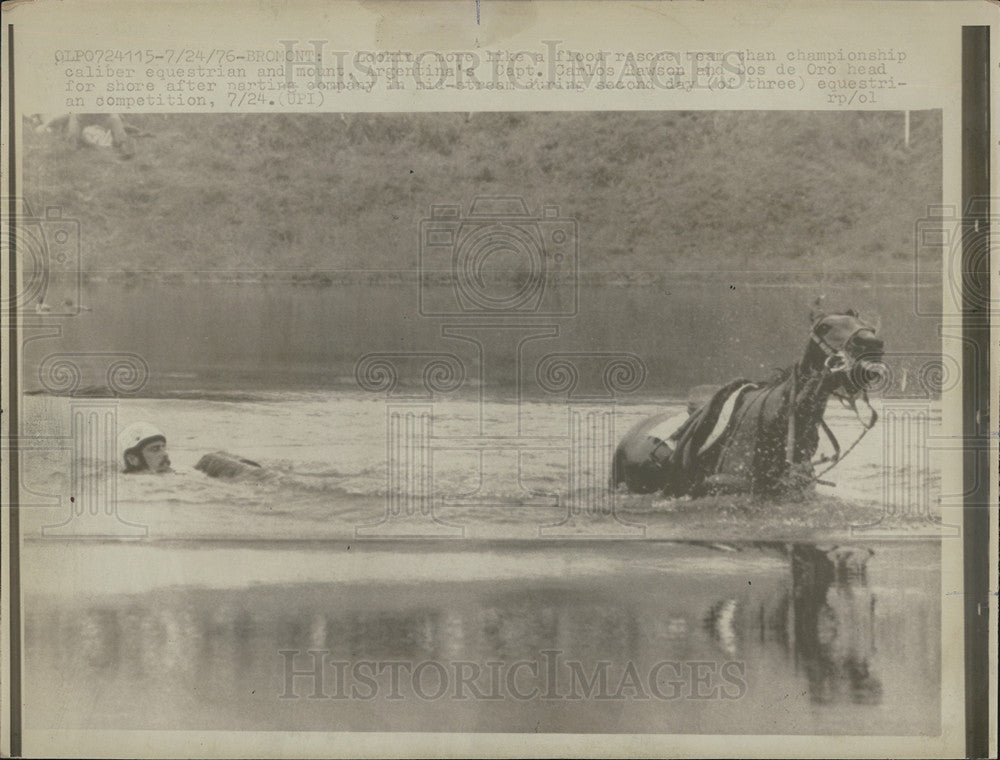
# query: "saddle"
{"points": [[693, 441]]}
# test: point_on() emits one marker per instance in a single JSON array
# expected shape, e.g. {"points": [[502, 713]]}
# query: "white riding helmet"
{"points": [[134, 437]]}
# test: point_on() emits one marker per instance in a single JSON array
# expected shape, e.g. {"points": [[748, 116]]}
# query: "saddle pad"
{"points": [[725, 414], [668, 427]]}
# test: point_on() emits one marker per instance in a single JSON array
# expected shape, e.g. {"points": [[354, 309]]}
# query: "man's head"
{"points": [[144, 449]]}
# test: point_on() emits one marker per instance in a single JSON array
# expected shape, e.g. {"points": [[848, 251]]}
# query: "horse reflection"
{"points": [[205, 645], [826, 621], [834, 624]]}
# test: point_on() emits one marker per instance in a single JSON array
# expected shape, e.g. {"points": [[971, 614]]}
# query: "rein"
{"points": [[790, 437], [837, 361], [837, 457]]}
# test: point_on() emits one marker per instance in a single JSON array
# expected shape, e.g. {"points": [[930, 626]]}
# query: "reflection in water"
{"points": [[211, 657], [834, 623], [826, 622]]}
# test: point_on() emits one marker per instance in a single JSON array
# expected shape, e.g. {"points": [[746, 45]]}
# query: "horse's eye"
{"points": [[822, 328]]}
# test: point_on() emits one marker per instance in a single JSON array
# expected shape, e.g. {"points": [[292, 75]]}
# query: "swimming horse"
{"points": [[757, 437]]}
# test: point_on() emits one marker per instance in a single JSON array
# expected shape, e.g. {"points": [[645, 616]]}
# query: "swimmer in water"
{"points": [[144, 449]]}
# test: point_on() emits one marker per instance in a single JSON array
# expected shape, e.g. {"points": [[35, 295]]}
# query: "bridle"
{"points": [[839, 361], [836, 361]]}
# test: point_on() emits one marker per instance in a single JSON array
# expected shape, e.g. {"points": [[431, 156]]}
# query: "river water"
{"points": [[179, 617], [519, 597], [610, 637], [328, 458], [266, 336]]}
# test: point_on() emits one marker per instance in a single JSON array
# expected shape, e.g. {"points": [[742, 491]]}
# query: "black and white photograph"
{"points": [[575, 422]]}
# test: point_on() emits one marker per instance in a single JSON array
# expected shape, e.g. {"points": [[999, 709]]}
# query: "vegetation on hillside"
{"points": [[651, 191]]}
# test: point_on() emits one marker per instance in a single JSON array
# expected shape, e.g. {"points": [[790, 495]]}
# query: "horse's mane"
{"points": [[777, 377]]}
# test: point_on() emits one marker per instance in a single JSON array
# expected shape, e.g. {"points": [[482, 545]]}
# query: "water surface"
{"points": [[786, 638]]}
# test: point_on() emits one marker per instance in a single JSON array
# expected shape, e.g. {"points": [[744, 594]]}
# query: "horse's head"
{"points": [[852, 352]]}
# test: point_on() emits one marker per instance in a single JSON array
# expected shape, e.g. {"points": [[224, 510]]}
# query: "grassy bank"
{"points": [[651, 192]]}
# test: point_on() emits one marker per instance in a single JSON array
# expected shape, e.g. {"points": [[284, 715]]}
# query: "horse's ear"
{"points": [[851, 313], [816, 313]]}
